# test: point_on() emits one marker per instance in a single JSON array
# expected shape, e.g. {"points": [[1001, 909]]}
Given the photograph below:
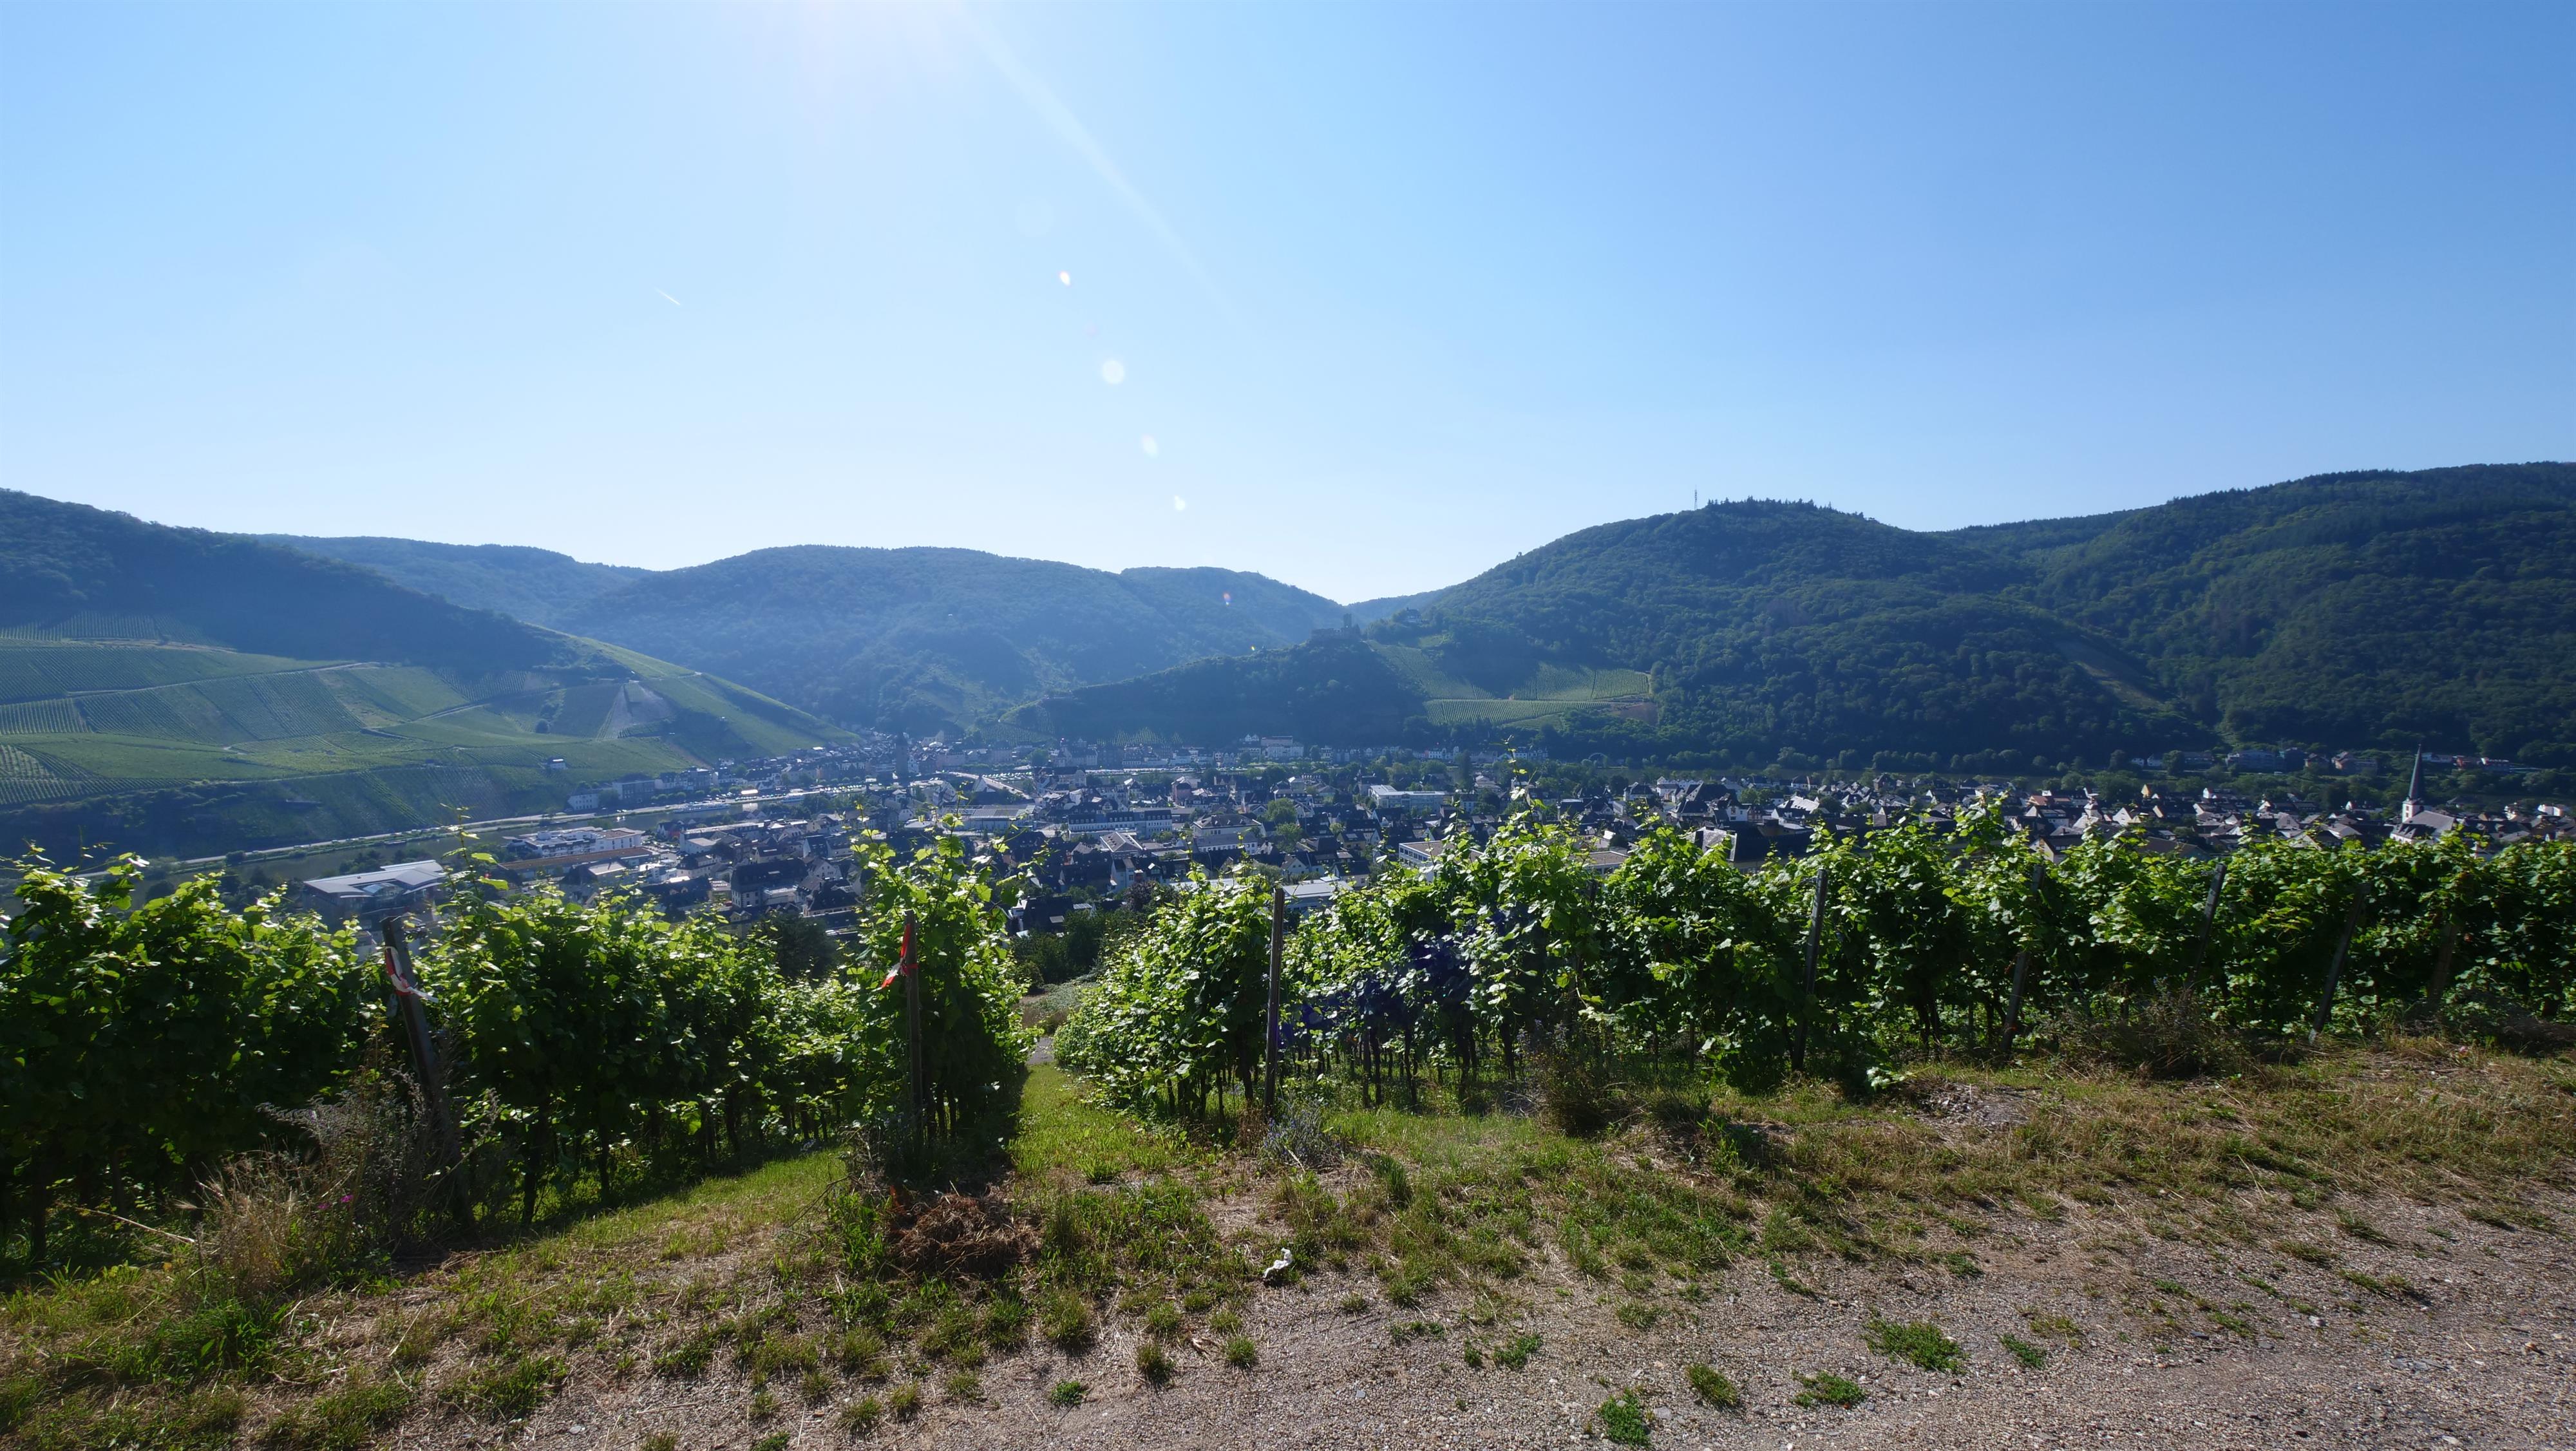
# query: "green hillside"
{"points": [[2379, 608], [1335, 689], [918, 639], [537, 585], [296, 749], [931, 639], [2343, 610], [152, 695], [72, 571], [1340, 689], [2350, 609]]}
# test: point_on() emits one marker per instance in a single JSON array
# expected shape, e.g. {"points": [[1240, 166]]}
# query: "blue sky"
{"points": [[1394, 292]]}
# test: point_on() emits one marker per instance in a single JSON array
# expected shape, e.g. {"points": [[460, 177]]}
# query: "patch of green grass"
{"points": [[2054, 1326], [1712, 1386], [1827, 1389], [2499, 1214], [780, 1355], [1411, 1330], [861, 1352], [905, 1400], [963, 1386], [340, 1420], [861, 1416], [1962, 1264], [1623, 1420], [2302, 1250], [195, 1420], [774, 1441], [1355, 1303], [1067, 1393], [1138, 1242], [1065, 1318], [2030, 1355], [507, 1390], [1917, 1342], [418, 1341], [1638, 1315], [1516, 1352], [1225, 1322], [1163, 1321], [1780, 1275], [1062, 1133], [2389, 1285], [956, 1335], [687, 1357], [1241, 1353], [1154, 1363]]}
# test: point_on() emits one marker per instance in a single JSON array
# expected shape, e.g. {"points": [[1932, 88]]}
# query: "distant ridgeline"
{"points": [[925, 640], [170, 687], [173, 690], [2349, 609]]}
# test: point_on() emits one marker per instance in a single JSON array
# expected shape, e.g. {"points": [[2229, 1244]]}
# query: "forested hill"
{"points": [[1751, 627], [1773, 625], [2378, 607], [1335, 689], [537, 585], [69, 569], [2347, 609], [930, 639], [924, 639]]}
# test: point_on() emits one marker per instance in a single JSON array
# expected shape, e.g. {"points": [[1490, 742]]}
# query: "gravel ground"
{"points": [[2451, 1332]]}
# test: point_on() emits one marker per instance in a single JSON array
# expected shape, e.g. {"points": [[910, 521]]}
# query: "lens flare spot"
{"points": [[1179, 503], [1152, 449], [1065, 277], [1229, 599], [1113, 372]]}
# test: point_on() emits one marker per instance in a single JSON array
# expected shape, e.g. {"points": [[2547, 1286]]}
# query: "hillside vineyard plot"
{"points": [[1869, 951], [1752, 1025]]}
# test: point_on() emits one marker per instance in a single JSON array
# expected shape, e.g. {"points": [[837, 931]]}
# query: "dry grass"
{"points": [[2420, 1118], [1807, 1171], [736, 1281]]}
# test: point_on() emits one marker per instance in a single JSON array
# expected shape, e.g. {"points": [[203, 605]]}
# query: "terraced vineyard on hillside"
{"points": [[365, 746], [1547, 695]]}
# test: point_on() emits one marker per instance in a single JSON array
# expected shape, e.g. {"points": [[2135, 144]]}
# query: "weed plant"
{"points": [[1919, 1343], [1623, 1420], [1827, 1389], [1713, 1387]]}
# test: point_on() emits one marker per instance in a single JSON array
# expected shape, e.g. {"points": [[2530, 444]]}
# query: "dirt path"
{"points": [[2443, 1332]]}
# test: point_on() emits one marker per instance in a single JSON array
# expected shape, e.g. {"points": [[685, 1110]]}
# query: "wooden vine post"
{"points": [[1807, 997], [2334, 969], [1270, 1012], [2208, 926], [424, 1051], [2021, 971], [910, 966]]}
